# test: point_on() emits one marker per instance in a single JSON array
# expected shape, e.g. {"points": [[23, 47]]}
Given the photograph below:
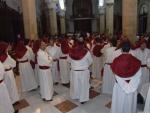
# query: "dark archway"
{"points": [[143, 17], [82, 15], [11, 23]]}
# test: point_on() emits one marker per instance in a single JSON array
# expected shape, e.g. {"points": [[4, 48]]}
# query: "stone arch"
{"points": [[141, 3], [69, 15]]}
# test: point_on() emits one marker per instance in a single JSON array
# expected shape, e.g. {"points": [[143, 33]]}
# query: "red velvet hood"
{"points": [[125, 65], [36, 46], [97, 50], [3, 54], [78, 52], [20, 49], [64, 46]]}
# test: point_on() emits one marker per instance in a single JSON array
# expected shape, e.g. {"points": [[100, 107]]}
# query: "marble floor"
{"points": [[62, 103]]}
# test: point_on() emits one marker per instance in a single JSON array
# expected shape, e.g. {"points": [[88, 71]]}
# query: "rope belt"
{"points": [[44, 67]]}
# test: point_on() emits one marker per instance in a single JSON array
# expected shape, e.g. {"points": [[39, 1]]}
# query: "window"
{"points": [[62, 4], [101, 3]]}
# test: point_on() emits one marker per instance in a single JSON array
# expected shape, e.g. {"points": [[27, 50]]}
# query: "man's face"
{"points": [[43, 45], [143, 46], [9, 48], [51, 42]]}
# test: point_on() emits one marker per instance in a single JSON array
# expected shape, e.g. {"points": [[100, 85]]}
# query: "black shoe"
{"points": [[82, 102], [47, 100], [16, 103], [56, 83], [17, 111]]}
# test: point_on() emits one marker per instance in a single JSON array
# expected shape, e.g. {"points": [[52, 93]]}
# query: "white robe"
{"points": [[124, 98], [9, 79], [104, 52], [97, 66], [45, 75], [64, 68], [108, 77], [28, 81], [32, 57], [53, 52], [147, 103], [79, 80], [5, 101], [143, 57]]}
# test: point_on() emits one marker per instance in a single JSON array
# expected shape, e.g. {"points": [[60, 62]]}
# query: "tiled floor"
{"points": [[62, 103]]}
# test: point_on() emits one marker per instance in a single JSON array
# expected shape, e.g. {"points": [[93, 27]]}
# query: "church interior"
{"points": [[35, 19]]}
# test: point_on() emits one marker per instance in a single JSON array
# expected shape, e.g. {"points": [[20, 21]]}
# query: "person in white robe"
{"points": [[80, 60], [107, 45], [143, 54], [127, 70], [108, 77], [9, 78], [63, 64], [97, 59], [5, 101], [32, 61], [147, 103], [28, 81], [53, 50], [45, 75]]}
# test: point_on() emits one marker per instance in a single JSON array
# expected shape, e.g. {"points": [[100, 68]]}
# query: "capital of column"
{"points": [[109, 3], [52, 5], [102, 10], [62, 13]]}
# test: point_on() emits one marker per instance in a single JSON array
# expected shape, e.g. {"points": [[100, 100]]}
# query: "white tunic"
{"points": [[45, 75], [64, 68], [103, 51], [53, 51], [143, 57], [5, 101], [147, 103], [9, 79], [28, 81], [124, 98], [97, 66], [108, 77], [80, 75], [32, 57]]}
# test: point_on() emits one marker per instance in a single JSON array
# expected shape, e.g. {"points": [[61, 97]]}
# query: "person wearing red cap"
{"points": [[36, 46], [143, 53], [28, 81], [53, 51], [97, 59], [45, 75], [63, 64], [5, 101], [108, 77], [80, 60], [9, 78], [147, 103], [127, 70], [27, 44]]}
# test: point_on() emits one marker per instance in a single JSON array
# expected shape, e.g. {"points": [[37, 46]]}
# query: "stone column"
{"points": [[53, 18], [62, 22], [102, 19], [29, 19], [109, 18], [129, 16]]}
